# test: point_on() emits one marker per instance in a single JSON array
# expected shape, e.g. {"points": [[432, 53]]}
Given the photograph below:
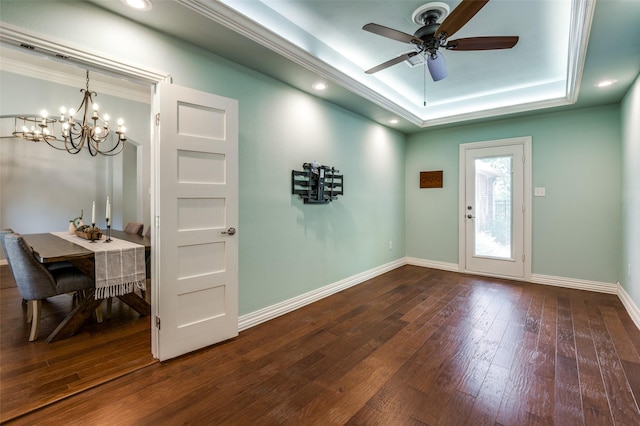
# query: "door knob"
{"points": [[230, 231], [470, 216]]}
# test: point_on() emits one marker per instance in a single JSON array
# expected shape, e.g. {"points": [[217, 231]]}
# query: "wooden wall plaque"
{"points": [[431, 179]]}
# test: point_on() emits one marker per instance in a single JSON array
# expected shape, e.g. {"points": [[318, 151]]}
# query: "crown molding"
{"points": [[581, 19]]}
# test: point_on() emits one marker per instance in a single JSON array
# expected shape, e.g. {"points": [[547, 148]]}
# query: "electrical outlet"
{"points": [[390, 245], [539, 192]]}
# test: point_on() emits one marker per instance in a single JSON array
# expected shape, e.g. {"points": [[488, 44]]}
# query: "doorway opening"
{"points": [[59, 357]]}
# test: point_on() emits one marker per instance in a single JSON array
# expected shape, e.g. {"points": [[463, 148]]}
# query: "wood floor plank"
{"points": [[595, 404], [414, 346], [622, 404]]}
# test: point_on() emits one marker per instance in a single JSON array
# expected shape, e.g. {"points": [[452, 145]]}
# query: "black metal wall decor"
{"points": [[317, 184]]}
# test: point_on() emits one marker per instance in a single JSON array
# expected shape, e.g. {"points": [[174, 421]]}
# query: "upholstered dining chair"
{"points": [[134, 228], [36, 282], [4, 233]]}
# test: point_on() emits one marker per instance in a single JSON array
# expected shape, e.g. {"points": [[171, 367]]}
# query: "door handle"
{"points": [[229, 231], [470, 216]]}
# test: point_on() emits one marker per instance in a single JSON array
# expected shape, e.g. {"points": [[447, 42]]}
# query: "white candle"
{"points": [[93, 214], [108, 210]]}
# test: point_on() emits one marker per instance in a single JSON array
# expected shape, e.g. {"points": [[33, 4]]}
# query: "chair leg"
{"points": [[98, 312], [36, 308], [29, 311], [109, 303]]}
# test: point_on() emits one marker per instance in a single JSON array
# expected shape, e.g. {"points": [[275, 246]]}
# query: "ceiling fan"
{"points": [[433, 35]]}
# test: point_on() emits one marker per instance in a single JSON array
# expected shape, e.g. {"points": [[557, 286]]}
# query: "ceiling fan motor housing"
{"points": [[426, 32]]}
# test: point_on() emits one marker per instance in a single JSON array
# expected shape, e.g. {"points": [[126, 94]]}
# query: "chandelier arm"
{"points": [[109, 154], [77, 134], [55, 147]]}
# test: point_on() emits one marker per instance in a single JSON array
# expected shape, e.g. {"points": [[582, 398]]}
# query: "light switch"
{"points": [[539, 191]]}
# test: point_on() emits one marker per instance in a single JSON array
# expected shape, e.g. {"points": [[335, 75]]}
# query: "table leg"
{"points": [[75, 318], [137, 303]]}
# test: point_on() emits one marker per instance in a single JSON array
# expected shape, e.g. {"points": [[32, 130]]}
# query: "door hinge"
{"points": [[158, 323], [157, 119]]}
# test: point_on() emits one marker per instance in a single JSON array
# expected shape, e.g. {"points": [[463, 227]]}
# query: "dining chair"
{"points": [[134, 228], [4, 233], [35, 282]]}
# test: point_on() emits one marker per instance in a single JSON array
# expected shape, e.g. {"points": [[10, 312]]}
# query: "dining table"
{"points": [[49, 248]]}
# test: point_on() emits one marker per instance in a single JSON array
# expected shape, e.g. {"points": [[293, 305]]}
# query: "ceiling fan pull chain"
{"points": [[424, 103]]}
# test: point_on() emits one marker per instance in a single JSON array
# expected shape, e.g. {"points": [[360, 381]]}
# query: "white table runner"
{"points": [[120, 265]]}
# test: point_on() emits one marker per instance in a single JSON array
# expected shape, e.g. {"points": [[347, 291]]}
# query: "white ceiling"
{"points": [[534, 70], [565, 46]]}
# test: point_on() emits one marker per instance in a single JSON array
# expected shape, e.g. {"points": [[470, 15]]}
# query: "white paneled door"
{"points": [[197, 214], [495, 208]]}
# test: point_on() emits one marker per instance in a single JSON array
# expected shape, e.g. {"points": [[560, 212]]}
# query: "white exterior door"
{"points": [[196, 246], [495, 218]]}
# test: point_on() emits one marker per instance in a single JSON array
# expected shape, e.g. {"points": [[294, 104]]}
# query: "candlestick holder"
{"points": [[108, 240], [93, 233]]}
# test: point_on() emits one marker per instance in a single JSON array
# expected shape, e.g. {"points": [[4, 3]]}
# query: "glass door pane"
{"points": [[493, 206]]}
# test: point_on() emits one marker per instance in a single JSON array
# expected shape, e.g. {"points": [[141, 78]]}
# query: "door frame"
{"points": [[526, 142], [55, 49]]}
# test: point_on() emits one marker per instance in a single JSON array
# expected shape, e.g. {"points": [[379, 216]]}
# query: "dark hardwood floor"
{"points": [[35, 374], [414, 346]]}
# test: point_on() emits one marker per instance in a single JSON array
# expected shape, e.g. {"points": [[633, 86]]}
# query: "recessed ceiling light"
{"points": [[139, 4], [320, 86], [393, 121], [605, 83]]}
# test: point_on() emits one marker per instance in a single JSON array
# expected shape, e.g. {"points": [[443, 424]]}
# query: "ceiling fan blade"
{"points": [[391, 62], [391, 33], [460, 16], [482, 43]]}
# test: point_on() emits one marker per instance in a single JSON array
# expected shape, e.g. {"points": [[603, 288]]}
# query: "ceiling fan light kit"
{"points": [[437, 67], [437, 26]]}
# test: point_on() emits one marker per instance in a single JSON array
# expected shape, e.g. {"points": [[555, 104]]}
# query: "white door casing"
{"points": [[514, 261], [196, 250]]}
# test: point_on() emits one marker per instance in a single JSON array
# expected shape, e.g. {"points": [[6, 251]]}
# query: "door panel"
{"points": [[494, 185], [198, 202]]}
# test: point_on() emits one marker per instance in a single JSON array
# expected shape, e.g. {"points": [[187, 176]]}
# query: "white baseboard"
{"points": [[596, 286], [445, 266], [629, 305], [274, 311]]}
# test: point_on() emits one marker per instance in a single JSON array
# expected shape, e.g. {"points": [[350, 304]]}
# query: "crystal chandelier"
{"points": [[80, 128]]}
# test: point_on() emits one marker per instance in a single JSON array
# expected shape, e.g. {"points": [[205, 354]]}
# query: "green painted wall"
{"points": [[576, 156], [630, 267], [286, 248]]}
